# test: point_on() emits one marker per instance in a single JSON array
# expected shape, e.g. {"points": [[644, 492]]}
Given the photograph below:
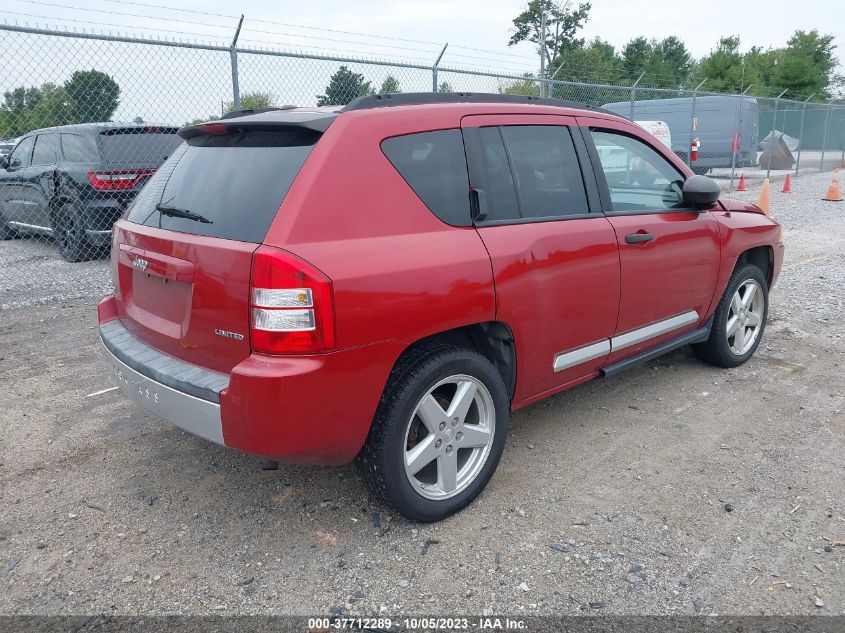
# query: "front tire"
{"points": [[438, 434], [69, 233], [739, 321]]}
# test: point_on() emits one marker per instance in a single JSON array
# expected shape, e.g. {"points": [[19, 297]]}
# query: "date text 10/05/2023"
{"points": [[325, 625]]}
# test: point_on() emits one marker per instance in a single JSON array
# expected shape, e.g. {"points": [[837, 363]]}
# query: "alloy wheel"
{"points": [[745, 317], [449, 437]]}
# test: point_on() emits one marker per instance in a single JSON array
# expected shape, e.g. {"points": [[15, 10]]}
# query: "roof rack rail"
{"points": [[418, 98], [246, 112]]}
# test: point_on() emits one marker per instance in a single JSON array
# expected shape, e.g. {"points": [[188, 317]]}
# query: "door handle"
{"points": [[636, 238]]}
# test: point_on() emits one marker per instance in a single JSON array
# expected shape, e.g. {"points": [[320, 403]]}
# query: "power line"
{"points": [[316, 28], [315, 50]]}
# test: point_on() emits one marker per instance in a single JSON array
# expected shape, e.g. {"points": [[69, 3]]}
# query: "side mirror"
{"points": [[701, 191], [4, 162]]}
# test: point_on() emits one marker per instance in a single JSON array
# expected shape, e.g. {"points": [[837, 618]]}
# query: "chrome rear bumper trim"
{"points": [[188, 412]]}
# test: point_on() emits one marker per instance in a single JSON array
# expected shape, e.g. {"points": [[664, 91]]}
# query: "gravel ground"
{"points": [[674, 488]]}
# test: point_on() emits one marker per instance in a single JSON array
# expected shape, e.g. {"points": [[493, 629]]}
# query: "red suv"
{"points": [[390, 279]]}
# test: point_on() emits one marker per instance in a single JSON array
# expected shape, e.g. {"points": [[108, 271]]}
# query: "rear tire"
{"points": [[6, 232], [438, 433], [69, 233], [739, 321]]}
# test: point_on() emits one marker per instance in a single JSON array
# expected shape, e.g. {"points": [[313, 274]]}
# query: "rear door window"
{"points": [[138, 147], [548, 177], [78, 149], [499, 184], [434, 165], [46, 149], [231, 185]]}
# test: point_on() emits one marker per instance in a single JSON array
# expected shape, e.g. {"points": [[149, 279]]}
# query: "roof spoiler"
{"points": [[233, 114], [258, 120], [418, 98]]}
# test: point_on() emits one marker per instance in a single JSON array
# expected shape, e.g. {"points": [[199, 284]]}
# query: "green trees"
{"points": [[389, 85], [344, 86], [88, 96], [805, 65], [253, 101], [562, 24], [94, 96]]}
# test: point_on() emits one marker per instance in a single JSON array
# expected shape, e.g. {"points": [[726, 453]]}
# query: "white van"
{"points": [[659, 129]]}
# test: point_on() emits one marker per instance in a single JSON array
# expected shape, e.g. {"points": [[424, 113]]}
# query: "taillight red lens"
{"points": [[120, 180], [291, 305]]}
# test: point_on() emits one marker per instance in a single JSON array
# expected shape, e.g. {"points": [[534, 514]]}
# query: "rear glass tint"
{"points": [[78, 149], [138, 147], [234, 182], [434, 165]]}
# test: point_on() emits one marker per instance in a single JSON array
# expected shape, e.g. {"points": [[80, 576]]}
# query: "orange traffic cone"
{"points": [[741, 186], [787, 185], [763, 202], [834, 193]]}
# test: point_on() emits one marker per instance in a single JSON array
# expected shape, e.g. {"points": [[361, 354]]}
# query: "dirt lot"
{"points": [[674, 488]]}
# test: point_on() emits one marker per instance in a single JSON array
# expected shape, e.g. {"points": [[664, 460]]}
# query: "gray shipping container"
{"points": [[717, 118]]}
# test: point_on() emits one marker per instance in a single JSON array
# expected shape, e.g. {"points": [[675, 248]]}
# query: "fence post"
{"points": [[772, 133], [434, 85], [542, 50], [737, 131], [692, 125], [801, 132], [826, 130], [634, 94], [233, 56]]}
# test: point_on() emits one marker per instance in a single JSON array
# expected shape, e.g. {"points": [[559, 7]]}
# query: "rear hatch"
{"points": [[129, 155], [182, 254]]}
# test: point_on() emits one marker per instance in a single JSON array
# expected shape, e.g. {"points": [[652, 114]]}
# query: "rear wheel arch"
{"points": [[57, 203], [492, 339]]}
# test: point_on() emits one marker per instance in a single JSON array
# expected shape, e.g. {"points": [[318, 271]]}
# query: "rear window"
{"points": [[138, 147], [434, 165], [233, 184]]}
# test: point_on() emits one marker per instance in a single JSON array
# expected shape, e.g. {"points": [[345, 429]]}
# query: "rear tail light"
{"points": [[291, 305], [118, 180]]}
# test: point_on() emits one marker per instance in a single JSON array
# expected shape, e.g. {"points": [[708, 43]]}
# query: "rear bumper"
{"points": [[299, 409], [193, 414]]}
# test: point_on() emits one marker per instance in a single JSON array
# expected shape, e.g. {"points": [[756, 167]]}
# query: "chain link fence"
{"points": [[87, 118]]}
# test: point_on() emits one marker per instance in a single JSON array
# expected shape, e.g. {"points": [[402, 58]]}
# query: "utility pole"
{"points": [[542, 51]]}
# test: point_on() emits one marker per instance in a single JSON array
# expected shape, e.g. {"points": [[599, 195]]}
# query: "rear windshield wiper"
{"points": [[176, 212]]}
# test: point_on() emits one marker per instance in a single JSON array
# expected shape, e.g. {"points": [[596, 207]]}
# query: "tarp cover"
{"points": [[780, 147]]}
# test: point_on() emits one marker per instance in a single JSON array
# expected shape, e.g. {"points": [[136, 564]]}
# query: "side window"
{"points": [[46, 149], [434, 165], [499, 186], [77, 149], [638, 177], [548, 177], [22, 154]]}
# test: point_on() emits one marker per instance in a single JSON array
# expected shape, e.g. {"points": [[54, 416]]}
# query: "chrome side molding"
{"points": [[651, 331], [581, 355], [565, 360]]}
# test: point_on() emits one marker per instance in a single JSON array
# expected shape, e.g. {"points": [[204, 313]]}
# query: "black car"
{"points": [[73, 182]]}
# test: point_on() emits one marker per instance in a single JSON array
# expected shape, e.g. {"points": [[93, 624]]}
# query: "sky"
{"points": [[471, 24], [175, 85]]}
